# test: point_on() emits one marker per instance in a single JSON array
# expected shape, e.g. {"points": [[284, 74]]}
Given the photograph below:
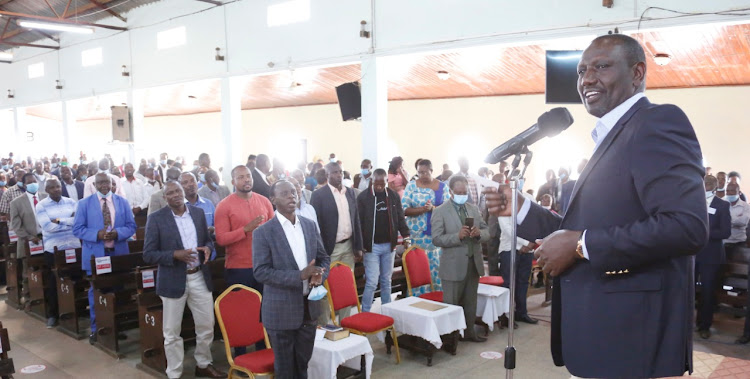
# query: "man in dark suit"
{"points": [[709, 260], [623, 270], [260, 175], [289, 259], [183, 277], [338, 218], [70, 184]]}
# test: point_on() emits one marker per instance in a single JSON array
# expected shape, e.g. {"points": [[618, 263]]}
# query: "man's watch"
{"points": [[579, 248]]}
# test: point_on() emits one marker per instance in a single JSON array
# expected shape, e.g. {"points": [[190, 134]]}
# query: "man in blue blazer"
{"points": [[102, 236], [289, 259], [622, 304], [177, 239], [709, 260]]}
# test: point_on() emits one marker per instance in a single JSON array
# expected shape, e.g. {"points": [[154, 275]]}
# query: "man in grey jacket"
{"points": [[458, 227]]}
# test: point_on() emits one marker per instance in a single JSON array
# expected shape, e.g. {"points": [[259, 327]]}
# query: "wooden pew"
{"points": [[13, 267], [37, 271], [6, 363], [733, 292], [4, 242], [150, 318], [72, 293], [114, 299]]}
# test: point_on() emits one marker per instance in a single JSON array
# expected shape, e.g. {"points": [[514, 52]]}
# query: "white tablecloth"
{"points": [[328, 355], [429, 325], [492, 302]]}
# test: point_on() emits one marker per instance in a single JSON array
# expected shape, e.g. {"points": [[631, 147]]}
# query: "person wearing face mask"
{"points": [[721, 189], [162, 167], [12, 193], [740, 212], [3, 184], [362, 179], [709, 259], [458, 228], [23, 222], [213, 191], [103, 167], [104, 222]]}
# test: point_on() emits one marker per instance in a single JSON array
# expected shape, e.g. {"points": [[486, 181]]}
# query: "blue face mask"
{"points": [[202, 177], [163, 162], [729, 198], [563, 176], [365, 171], [2, 183], [19, 184], [32, 188], [709, 194], [317, 293], [54, 165], [460, 199], [333, 160], [107, 195], [195, 167], [83, 177]]}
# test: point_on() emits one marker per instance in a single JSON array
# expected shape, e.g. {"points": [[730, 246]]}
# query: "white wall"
{"points": [[442, 130], [330, 36]]}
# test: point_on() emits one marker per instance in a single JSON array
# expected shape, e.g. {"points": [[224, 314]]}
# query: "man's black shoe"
{"points": [[527, 319], [743, 340], [92, 338]]}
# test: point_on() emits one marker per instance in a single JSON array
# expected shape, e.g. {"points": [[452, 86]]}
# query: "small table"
{"points": [[328, 355], [425, 331], [492, 302]]}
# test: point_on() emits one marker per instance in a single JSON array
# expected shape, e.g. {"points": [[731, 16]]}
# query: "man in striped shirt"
{"points": [[55, 215]]}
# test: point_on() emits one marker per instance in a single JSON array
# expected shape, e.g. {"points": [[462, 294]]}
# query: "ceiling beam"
{"points": [[5, 29], [53, 9], [65, 12], [214, 2], [60, 21], [3, 2], [45, 35], [108, 10], [4, 42]]}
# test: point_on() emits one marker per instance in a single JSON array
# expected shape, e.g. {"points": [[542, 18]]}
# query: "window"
{"points": [[170, 38], [91, 57], [288, 12], [36, 70]]}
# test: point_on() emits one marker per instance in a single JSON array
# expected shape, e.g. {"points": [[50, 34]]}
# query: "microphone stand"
{"points": [[510, 350]]}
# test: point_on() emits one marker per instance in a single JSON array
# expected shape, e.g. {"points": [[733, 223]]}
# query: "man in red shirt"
{"points": [[236, 217]]}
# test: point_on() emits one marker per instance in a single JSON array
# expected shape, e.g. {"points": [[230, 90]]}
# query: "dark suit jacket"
{"points": [[719, 229], [567, 190], [328, 216], [259, 185], [642, 203], [162, 239], [275, 267], [79, 189]]}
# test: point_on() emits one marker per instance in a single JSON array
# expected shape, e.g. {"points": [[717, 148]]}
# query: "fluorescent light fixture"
{"points": [[56, 27], [288, 12], [171, 38], [5, 56]]}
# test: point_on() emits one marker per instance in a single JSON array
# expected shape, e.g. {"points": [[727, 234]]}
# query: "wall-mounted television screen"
{"points": [[562, 77]]}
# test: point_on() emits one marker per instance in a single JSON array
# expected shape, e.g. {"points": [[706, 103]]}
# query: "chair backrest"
{"points": [[238, 313], [342, 290], [416, 268]]}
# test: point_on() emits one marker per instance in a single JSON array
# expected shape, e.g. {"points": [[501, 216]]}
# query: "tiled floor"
{"points": [[64, 357]]}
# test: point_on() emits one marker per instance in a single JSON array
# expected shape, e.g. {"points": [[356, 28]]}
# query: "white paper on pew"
{"points": [[70, 256], [12, 236], [103, 265], [148, 278], [36, 248]]}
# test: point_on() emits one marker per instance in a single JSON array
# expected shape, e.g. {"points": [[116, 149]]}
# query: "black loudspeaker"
{"points": [[350, 100]]}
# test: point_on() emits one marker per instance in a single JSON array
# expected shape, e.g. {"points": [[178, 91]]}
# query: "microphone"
{"points": [[549, 124]]}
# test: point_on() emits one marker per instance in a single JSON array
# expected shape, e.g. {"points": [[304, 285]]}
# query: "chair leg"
{"points": [[395, 344], [230, 374]]}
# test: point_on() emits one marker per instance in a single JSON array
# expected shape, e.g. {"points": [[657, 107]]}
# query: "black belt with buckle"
{"points": [[342, 241], [193, 270]]}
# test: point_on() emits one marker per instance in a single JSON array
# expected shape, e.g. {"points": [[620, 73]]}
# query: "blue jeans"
{"points": [[378, 268]]}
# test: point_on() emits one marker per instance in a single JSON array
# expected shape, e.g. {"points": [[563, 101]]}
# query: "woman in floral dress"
{"points": [[420, 198]]}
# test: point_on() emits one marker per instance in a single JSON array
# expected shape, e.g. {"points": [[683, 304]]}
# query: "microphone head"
{"points": [[554, 121]]}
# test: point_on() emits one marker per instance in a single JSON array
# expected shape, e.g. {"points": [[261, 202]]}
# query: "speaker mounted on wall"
{"points": [[122, 129], [350, 101]]}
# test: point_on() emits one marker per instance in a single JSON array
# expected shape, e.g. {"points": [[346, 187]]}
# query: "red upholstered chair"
{"points": [[492, 280], [342, 293], [238, 313], [417, 271]]}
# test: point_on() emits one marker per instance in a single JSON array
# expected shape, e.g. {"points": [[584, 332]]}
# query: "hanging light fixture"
{"points": [[662, 59], [56, 27]]}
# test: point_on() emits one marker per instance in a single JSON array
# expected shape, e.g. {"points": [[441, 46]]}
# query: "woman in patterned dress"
{"points": [[420, 198]]}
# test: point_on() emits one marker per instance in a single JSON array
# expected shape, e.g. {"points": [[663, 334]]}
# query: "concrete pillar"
{"points": [[69, 131], [19, 130], [231, 126], [374, 111], [136, 149]]}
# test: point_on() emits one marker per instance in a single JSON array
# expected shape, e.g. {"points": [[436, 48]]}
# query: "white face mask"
{"points": [[709, 194]]}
